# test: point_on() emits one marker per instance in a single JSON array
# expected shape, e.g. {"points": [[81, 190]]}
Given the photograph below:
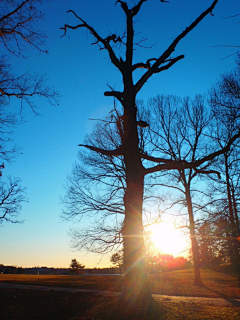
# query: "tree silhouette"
{"points": [[224, 99], [96, 188], [135, 285], [12, 195], [76, 267], [179, 129], [18, 31], [213, 242], [117, 259]]}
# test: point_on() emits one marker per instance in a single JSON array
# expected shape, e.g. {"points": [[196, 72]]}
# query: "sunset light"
{"points": [[127, 183], [169, 240]]}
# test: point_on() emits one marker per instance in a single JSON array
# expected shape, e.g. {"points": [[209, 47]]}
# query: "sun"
{"points": [[169, 240]]}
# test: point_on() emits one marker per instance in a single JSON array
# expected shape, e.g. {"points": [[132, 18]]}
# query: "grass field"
{"points": [[180, 283], [31, 304]]}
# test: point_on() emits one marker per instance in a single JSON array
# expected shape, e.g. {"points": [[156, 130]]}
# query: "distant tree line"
{"points": [[35, 270], [54, 271], [155, 262]]}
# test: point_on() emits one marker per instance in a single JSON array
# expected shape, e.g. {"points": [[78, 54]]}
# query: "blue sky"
{"points": [[81, 73]]}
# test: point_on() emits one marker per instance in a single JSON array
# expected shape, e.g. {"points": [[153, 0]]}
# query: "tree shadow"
{"points": [[233, 301], [119, 311]]}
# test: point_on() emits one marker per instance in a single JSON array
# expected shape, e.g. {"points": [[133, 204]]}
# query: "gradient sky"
{"points": [[81, 73]]}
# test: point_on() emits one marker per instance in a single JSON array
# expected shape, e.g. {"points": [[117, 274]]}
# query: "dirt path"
{"points": [[157, 297]]}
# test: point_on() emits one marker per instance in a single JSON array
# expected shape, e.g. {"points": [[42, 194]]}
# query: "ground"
{"points": [[21, 304], [29, 304]]}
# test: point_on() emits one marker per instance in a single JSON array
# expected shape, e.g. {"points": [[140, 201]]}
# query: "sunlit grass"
{"points": [[216, 284], [196, 311], [180, 282], [111, 283], [24, 304]]}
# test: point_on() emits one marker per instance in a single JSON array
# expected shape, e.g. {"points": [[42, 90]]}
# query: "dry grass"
{"points": [[32, 304], [216, 284], [180, 283], [111, 283]]}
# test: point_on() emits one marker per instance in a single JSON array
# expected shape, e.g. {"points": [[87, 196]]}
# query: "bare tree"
{"points": [[96, 188], [213, 240], [179, 130], [135, 286], [18, 31], [224, 97], [225, 102], [223, 207], [8, 121], [12, 195], [97, 185]]}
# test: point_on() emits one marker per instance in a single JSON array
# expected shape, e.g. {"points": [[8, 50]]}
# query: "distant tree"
{"points": [[225, 103], [117, 259], [76, 267], [213, 242]]}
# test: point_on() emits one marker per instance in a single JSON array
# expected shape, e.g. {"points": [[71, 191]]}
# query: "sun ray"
{"points": [[169, 240]]}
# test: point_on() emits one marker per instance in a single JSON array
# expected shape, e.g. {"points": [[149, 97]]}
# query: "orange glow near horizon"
{"points": [[169, 240]]}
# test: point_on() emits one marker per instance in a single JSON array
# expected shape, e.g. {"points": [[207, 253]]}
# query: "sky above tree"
{"points": [[81, 73]]}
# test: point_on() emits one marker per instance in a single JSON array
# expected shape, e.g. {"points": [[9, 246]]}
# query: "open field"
{"points": [[175, 283], [32, 304]]}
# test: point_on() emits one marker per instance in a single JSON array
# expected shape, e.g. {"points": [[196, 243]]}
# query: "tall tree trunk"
{"points": [[135, 285], [195, 250]]}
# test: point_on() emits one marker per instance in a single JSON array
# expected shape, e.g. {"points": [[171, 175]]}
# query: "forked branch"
{"points": [[181, 165], [163, 58], [105, 42]]}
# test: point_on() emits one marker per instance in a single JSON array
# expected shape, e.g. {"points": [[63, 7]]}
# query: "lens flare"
{"points": [[169, 240]]}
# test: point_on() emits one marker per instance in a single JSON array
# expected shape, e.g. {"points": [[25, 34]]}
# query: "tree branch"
{"points": [[111, 153], [171, 63], [162, 59], [181, 165], [135, 9], [157, 160], [14, 11], [201, 171], [105, 42], [118, 95]]}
